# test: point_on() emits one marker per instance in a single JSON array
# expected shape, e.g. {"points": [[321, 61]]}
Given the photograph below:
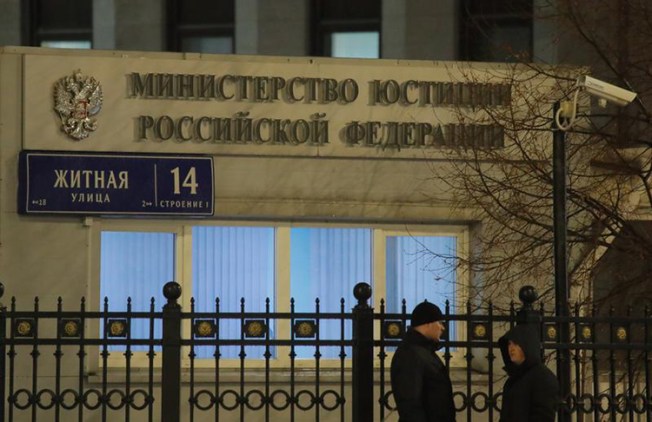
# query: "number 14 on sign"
{"points": [[189, 180]]}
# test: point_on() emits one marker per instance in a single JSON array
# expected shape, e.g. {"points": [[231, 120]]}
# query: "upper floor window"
{"points": [[346, 28], [201, 26], [58, 23], [496, 30]]}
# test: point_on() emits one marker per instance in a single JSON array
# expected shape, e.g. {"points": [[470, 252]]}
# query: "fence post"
{"points": [[362, 393], [527, 314], [3, 354], [171, 370]]}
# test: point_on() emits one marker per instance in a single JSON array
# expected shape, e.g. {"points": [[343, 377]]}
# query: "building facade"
{"points": [[419, 30], [275, 179], [215, 147]]}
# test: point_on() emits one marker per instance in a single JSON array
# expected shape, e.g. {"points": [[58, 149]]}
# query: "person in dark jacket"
{"points": [[531, 392], [420, 382]]}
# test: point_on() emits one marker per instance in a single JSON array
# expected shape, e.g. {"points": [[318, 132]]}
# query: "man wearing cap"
{"points": [[420, 382]]}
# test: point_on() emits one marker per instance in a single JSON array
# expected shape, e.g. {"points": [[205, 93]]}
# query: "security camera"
{"points": [[605, 91]]}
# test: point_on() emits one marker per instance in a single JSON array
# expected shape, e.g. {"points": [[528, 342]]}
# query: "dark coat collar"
{"points": [[414, 337]]}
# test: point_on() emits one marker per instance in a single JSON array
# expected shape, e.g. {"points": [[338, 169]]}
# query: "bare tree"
{"points": [[609, 163]]}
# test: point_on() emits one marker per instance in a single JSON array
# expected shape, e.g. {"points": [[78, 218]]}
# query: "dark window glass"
{"points": [[336, 20], [496, 30], [201, 26], [65, 14], [206, 12], [332, 10], [58, 23], [494, 7]]}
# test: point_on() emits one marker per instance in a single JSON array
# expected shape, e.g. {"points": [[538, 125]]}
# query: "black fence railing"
{"points": [[172, 365]]}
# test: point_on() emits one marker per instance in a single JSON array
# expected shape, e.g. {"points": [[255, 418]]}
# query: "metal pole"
{"points": [[171, 370], [3, 351], [363, 356], [560, 228]]}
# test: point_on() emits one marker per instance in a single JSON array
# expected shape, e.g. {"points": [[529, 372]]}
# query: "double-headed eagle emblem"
{"points": [[77, 98]]}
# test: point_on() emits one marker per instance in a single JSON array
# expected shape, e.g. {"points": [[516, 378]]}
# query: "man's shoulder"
{"points": [[543, 368], [409, 345], [405, 351], [545, 376]]}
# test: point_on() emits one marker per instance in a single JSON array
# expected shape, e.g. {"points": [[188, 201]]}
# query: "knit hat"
{"points": [[426, 312]]}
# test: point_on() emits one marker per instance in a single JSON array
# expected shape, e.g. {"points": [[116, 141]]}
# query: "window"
{"points": [[496, 30], [66, 44], [232, 263], [58, 23], [325, 264], [292, 266], [346, 28], [364, 45], [201, 26], [418, 268], [133, 265]]}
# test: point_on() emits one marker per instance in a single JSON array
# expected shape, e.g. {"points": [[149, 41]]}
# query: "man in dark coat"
{"points": [[420, 382], [531, 391]]}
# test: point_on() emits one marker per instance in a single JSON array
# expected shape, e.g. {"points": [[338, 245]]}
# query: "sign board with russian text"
{"points": [[260, 105], [115, 184]]}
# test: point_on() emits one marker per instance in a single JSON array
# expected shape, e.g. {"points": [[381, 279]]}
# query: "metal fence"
{"points": [[88, 365]]}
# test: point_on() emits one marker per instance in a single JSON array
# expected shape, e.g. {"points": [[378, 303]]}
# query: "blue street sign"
{"points": [[115, 184]]}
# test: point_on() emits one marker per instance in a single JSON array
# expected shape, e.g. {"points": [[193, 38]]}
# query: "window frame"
{"points": [[182, 229], [322, 28], [472, 25], [95, 302], [33, 33], [177, 31]]}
